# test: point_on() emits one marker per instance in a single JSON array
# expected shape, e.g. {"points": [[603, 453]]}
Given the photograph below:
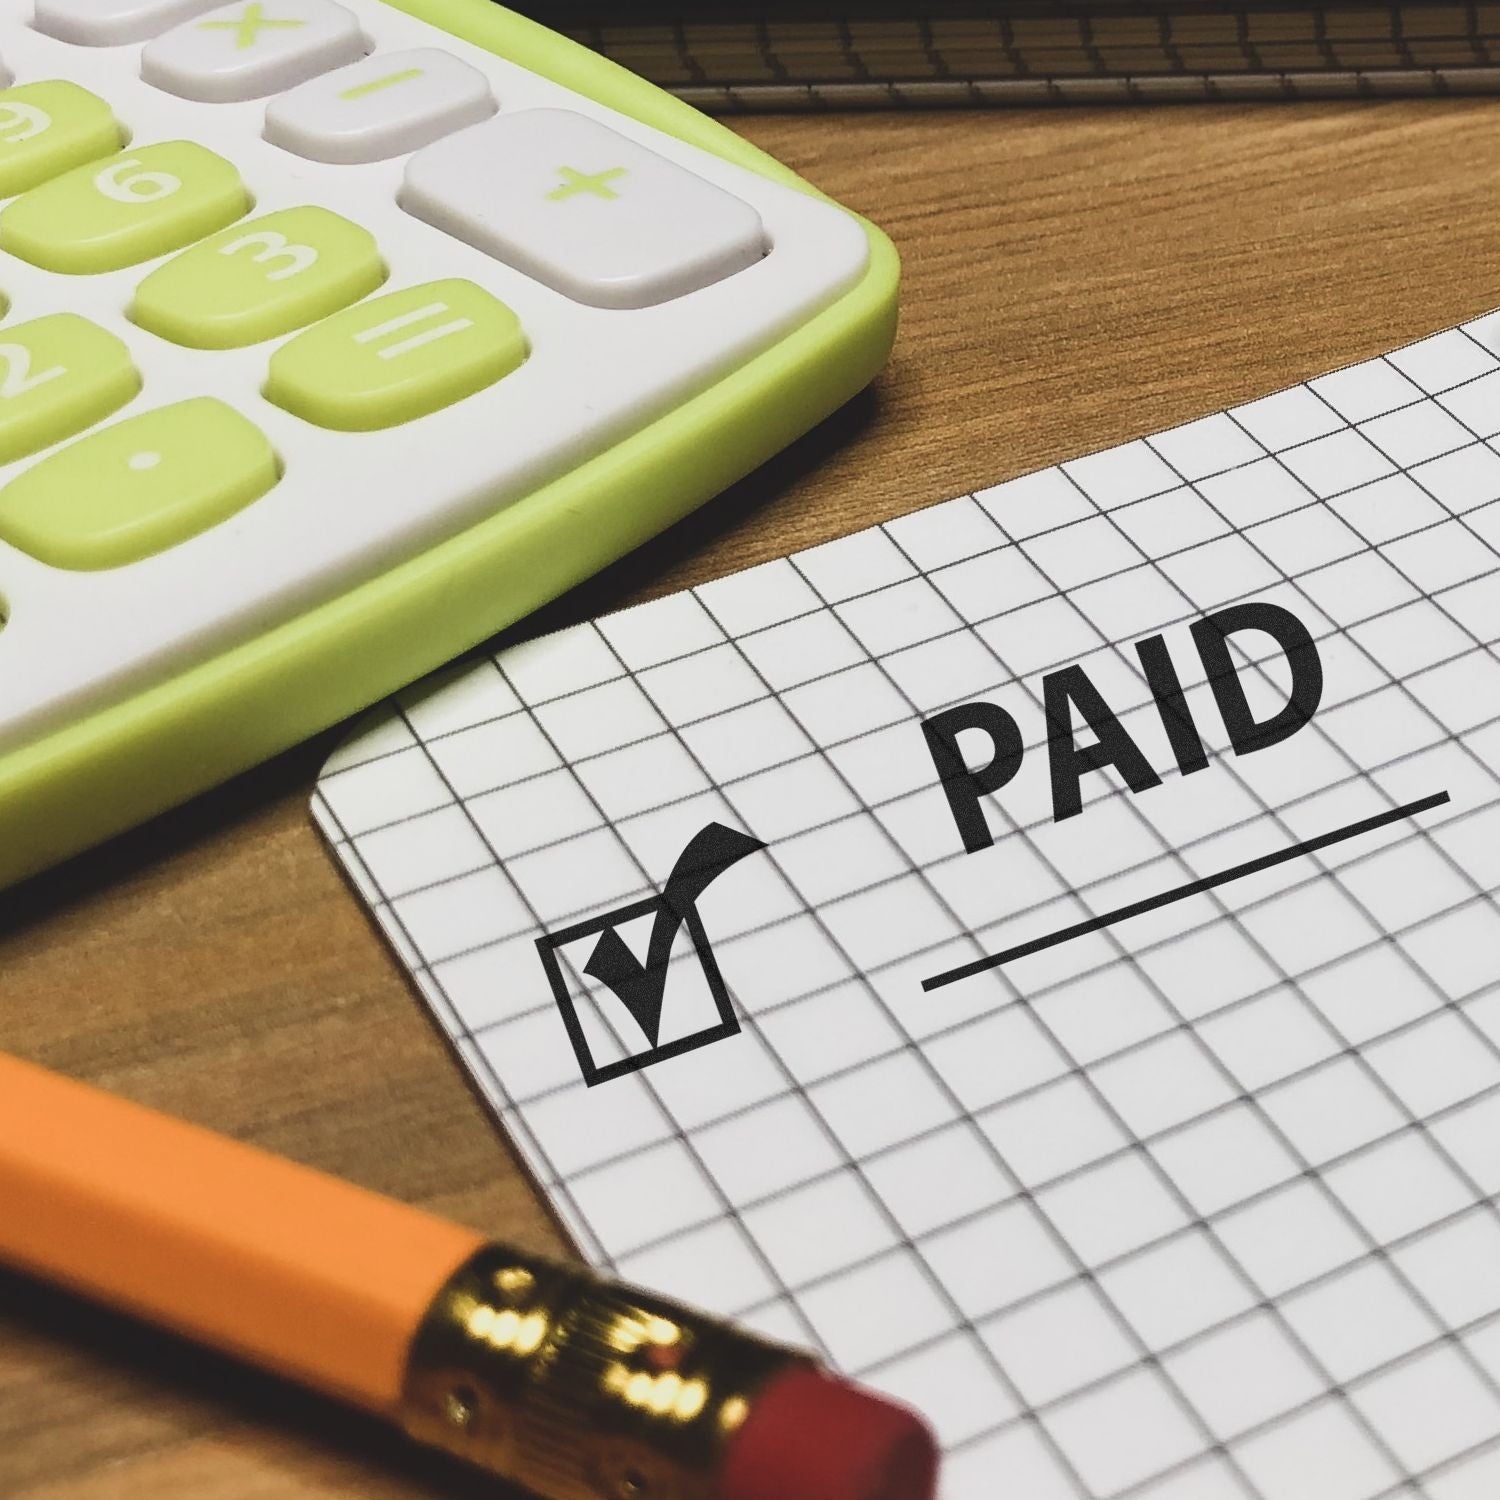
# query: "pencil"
{"points": [[542, 1373]]}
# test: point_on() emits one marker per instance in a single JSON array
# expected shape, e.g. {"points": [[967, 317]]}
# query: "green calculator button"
{"points": [[144, 484], [125, 209], [258, 280], [58, 375], [45, 128], [397, 357]]}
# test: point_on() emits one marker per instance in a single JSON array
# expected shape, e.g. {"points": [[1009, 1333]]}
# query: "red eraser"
{"points": [[812, 1436]]}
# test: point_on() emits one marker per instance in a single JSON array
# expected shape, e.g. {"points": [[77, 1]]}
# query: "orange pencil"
{"points": [[542, 1373]]}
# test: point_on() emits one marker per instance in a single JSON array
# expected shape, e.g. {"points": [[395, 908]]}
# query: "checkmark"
{"points": [[641, 988]]}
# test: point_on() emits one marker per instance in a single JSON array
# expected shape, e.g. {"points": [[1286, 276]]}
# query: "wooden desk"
{"points": [[1073, 279]]}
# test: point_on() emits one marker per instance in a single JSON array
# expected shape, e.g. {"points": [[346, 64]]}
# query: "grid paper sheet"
{"points": [[1202, 1204]]}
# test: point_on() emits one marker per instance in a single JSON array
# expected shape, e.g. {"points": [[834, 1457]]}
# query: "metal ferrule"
{"points": [[580, 1389]]}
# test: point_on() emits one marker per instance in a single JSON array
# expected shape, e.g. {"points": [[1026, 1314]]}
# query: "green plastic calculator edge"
{"points": [[132, 760]]}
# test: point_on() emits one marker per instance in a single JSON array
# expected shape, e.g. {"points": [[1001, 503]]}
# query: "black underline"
{"points": [[1182, 892]]}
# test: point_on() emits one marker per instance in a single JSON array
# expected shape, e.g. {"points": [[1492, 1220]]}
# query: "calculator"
{"points": [[337, 336]]}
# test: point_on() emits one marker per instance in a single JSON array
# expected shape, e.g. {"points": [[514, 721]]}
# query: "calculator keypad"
{"points": [[125, 209], [251, 48], [58, 375], [107, 23], [146, 483], [582, 209], [380, 107], [396, 357], [45, 128], [259, 279]]}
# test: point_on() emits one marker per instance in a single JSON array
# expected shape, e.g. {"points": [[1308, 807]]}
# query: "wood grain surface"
{"points": [[1073, 279]]}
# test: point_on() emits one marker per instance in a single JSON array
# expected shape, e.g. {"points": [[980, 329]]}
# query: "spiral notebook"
{"points": [[1041, 953]]}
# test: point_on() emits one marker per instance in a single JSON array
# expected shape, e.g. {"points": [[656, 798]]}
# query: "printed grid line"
{"points": [[1131, 1407]]}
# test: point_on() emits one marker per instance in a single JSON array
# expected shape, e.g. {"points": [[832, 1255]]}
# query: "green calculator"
{"points": [[340, 334]]}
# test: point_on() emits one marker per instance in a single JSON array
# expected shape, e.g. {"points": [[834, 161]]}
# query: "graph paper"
{"points": [[1198, 1204]]}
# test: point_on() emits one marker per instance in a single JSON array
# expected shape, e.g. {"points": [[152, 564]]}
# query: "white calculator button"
{"points": [[107, 23], [379, 107], [582, 209], [251, 48]]}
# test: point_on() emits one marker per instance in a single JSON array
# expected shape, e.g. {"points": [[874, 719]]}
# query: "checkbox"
{"points": [[1119, 475], [946, 533], [953, 1383], [1290, 1237], [711, 682], [1244, 1374], [1223, 1160], [1430, 1409], [1398, 1187], [1366, 390], [1268, 1039], [848, 1227], [997, 1259], [1175, 1290], [1162, 1084], [714, 1267], [1035, 502], [855, 564], [903, 615], [1358, 1320], [1047, 1134], [912, 1311], [1456, 1266], [1123, 1433], [1059, 1342], [656, 632], [1323, 1451], [1111, 1209], [1289, 417], [757, 597], [943, 1177], [1207, 446]]}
